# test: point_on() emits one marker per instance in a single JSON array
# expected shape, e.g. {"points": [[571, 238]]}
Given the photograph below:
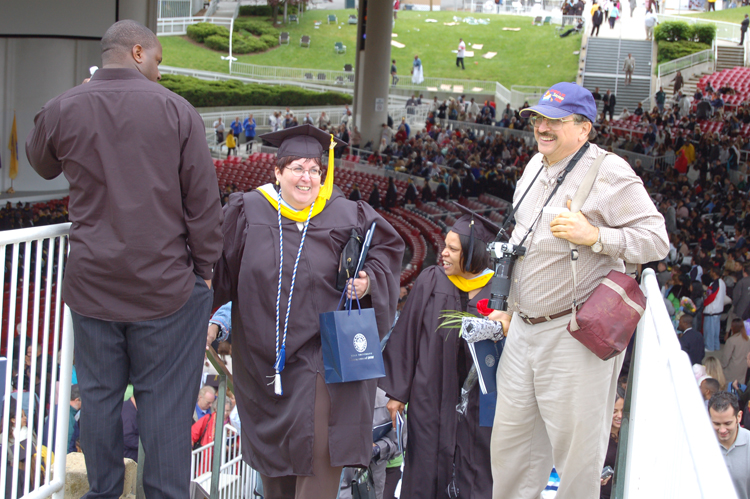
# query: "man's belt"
{"points": [[546, 318], [712, 315]]}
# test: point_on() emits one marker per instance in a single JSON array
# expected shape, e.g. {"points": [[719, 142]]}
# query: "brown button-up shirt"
{"points": [[144, 201], [631, 230]]}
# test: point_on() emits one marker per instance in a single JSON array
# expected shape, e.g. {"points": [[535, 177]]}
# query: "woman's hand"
{"points": [[504, 319], [361, 285], [395, 407]]}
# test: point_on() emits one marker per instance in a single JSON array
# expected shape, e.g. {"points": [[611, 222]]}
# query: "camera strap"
{"points": [[560, 179]]}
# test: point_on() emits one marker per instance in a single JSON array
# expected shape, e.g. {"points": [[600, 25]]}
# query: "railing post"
{"points": [[66, 374], [218, 452]]}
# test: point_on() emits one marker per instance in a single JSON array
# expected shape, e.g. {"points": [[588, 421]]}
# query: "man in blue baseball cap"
{"points": [[554, 396]]}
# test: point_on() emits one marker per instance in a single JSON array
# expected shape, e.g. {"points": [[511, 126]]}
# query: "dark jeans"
{"points": [[162, 358], [595, 28], [461, 60]]}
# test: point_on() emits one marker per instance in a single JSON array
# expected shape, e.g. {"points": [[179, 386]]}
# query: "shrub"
{"points": [[202, 93], [704, 33], [219, 42], [256, 10], [669, 51], [257, 28], [673, 31], [247, 44], [270, 41], [199, 32]]}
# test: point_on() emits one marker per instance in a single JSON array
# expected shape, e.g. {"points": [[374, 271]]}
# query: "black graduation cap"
{"points": [[474, 225], [303, 141]]}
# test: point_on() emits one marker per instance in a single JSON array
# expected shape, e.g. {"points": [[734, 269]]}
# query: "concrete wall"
{"points": [[34, 69]]}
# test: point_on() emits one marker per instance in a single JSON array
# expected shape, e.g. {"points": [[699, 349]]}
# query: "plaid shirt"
{"points": [[631, 230]]}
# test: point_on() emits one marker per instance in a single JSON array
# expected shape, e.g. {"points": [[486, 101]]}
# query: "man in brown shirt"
{"points": [[146, 233], [555, 397]]}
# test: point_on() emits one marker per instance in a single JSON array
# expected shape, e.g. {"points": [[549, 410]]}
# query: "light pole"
{"points": [[230, 58]]}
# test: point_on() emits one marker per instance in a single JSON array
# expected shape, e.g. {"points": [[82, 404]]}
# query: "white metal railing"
{"points": [[671, 67], [212, 6], [33, 306], [680, 459], [175, 8], [236, 479], [724, 31], [346, 79], [173, 26]]}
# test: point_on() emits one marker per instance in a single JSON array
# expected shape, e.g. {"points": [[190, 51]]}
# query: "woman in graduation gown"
{"points": [[297, 431], [426, 366]]}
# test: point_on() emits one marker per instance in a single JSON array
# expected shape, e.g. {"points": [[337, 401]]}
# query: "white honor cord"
{"points": [[281, 347]]}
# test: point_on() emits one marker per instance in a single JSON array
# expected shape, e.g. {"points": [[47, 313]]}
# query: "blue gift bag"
{"points": [[486, 355], [351, 345]]}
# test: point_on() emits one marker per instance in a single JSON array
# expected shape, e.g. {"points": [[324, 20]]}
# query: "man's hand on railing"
{"points": [[213, 332]]}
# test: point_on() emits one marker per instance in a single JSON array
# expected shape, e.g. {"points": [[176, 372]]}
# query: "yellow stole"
{"points": [[477, 282], [320, 202]]}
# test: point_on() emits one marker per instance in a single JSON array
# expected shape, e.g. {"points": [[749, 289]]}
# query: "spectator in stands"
{"points": [[355, 195], [725, 413], [25, 438], [444, 451], [203, 432], [596, 21], [219, 128], [708, 387], [159, 302], [374, 199], [734, 353], [741, 294], [609, 100], [236, 127], [713, 307], [678, 82], [249, 127], [130, 429], [294, 454], [743, 28], [714, 370], [614, 440], [629, 64], [541, 307], [691, 340], [231, 144], [660, 98], [356, 138], [206, 397], [411, 195], [391, 195], [323, 121]]}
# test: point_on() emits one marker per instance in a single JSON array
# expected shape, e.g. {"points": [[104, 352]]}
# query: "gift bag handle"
{"points": [[348, 305]]}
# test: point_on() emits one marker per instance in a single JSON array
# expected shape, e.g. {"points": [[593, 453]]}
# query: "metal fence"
{"points": [[34, 337], [175, 8], [173, 26], [671, 67], [680, 459]]}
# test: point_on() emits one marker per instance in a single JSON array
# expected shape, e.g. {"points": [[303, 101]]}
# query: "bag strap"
{"points": [[575, 206]]}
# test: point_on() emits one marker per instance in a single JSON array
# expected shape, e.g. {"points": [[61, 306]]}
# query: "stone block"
{"points": [[77, 483]]}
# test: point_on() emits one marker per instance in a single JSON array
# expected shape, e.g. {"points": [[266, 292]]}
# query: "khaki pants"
{"points": [[554, 407]]}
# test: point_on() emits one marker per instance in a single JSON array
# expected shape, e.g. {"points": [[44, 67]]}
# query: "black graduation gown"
{"points": [[277, 431], [422, 369]]}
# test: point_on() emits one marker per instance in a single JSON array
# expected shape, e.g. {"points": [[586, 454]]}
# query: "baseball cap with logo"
{"points": [[564, 99]]}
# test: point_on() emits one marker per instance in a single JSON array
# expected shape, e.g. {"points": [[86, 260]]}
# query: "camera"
{"points": [[503, 256]]}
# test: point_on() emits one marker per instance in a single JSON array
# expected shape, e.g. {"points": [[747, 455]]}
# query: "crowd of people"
{"points": [[279, 251]]}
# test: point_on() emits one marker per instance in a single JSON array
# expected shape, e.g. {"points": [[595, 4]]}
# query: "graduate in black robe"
{"points": [[282, 433], [426, 366]]}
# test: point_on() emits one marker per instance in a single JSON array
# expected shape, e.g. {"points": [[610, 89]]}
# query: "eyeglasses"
{"points": [[536, 122], [298, 171]]}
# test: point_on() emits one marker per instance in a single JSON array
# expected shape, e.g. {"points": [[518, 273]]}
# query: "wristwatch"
{"points": [[597, 247]]}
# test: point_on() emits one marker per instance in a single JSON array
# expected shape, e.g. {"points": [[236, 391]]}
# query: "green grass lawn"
{"points": [[734, 16], [532, 56]]}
